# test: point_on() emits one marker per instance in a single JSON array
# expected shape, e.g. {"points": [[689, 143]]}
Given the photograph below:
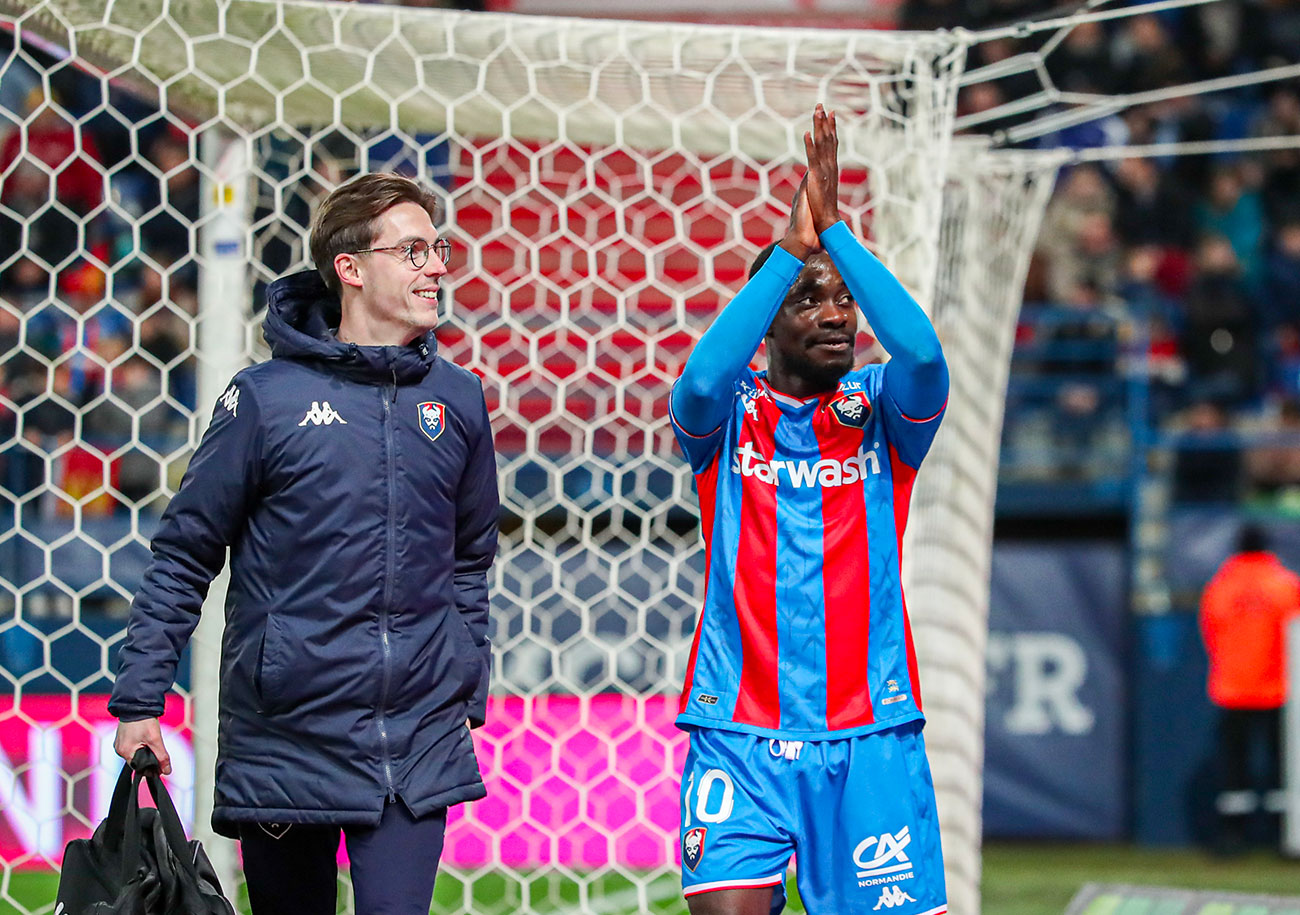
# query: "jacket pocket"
{"points": [[273, 674], [468, 656]]}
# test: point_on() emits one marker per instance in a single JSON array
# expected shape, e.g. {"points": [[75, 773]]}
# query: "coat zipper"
{"points": [[390, 538]]}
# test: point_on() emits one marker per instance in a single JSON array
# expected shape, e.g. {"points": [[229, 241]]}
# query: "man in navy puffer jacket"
{"points": [[353, 478]]}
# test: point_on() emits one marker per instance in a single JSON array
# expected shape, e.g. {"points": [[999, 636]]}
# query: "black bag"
{"points": [[139, 862]]}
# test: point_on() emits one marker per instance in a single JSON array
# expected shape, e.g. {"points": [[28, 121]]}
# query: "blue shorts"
{"points": [[859, 812]]}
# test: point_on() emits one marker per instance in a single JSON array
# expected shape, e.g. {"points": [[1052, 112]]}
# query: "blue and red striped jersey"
{"points": [[804, 631]]}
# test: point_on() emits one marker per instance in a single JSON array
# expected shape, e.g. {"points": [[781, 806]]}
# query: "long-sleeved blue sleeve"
{"points": [[701, 399], [477, 508], [189, 550], [916, 376]]}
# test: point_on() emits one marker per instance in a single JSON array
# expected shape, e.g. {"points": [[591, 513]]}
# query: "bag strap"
{"points": [[147, 769], [131, 838], [171, 821], [115, 822]]}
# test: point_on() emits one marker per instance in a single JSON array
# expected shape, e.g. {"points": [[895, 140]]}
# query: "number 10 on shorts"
{"points": [[712, 799]]}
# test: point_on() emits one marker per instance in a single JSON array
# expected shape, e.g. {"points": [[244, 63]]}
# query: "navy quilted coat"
{"points": [[356, 489]]}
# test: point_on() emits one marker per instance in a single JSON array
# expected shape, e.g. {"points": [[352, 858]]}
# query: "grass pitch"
{"points": [[1020, 878]]}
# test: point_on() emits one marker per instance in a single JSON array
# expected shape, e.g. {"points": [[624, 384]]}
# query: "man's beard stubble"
{"points": [[820, 375]]}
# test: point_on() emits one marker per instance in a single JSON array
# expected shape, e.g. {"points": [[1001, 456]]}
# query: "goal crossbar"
{"points": [[709, 89]]}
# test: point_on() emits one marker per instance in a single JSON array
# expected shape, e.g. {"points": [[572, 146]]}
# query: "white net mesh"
{"points": [[607, 184], [992, 207]]}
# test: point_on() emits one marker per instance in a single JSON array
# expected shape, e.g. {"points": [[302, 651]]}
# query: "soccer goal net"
{"points": [[605, 186]]}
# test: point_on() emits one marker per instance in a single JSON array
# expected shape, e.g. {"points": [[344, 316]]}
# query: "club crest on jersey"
{"points": [[851, 410], [433, 418], [693, 846]]}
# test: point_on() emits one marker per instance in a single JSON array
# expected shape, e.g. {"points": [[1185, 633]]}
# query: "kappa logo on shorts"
{"points": [[890, 897], [693, 846], [890, 857], [433, 418], [706, 699], [851, 410]]}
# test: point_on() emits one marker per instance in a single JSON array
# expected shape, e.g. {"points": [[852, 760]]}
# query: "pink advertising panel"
{"points": [[573, 782]]}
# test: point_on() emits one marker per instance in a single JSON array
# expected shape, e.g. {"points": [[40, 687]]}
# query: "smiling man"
{"points": [[801, 697], [353, 478]]}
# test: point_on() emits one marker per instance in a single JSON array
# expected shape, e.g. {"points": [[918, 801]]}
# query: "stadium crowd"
{"points": [[1179, 273], [68, 338], [1183, 271]]}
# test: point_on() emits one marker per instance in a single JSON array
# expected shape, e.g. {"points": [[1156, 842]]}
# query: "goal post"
{"points": [[607, 184], [220, 349], [993, 203]]}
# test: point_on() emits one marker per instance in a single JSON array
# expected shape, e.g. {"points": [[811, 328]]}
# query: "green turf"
{"points": [[1019, 879], [542, 893], [1038, 878]]}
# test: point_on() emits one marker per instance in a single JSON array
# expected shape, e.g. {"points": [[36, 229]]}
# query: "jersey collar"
{"points": [[790, 400]]}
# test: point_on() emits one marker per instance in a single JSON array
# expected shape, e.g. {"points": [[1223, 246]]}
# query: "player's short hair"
{"points": [[761, 258], [345, 221]]}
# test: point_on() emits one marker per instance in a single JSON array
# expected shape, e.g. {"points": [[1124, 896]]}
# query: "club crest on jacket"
{"points": [[433, 418]]}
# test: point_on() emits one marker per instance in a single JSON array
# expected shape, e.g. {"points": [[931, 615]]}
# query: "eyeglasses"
{"points": [[417, 252]]}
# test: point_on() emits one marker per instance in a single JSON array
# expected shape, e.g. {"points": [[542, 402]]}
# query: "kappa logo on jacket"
{"points": [[230, 399], [322, 414]]}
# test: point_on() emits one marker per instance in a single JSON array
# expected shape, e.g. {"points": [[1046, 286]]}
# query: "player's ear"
{"points": [[348, 268]]}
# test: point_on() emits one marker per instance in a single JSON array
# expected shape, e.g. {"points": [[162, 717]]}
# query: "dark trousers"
{"points": [[1250, 776], [393, 864]]}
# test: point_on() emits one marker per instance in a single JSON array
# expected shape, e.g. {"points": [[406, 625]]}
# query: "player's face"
{"points": [[813, 332], [394, 292]]}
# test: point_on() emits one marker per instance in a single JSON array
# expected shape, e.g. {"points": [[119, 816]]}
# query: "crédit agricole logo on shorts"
{"points": [[889, 864]]}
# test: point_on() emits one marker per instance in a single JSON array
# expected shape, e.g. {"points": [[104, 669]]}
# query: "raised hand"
{"points": [[801, 237], [821, 145]]}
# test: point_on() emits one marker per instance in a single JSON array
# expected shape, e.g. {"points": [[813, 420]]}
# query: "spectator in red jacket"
{"points": [[1245, 610]]}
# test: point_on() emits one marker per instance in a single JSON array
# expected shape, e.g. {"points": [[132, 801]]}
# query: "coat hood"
{"points": [[301, 315]]}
